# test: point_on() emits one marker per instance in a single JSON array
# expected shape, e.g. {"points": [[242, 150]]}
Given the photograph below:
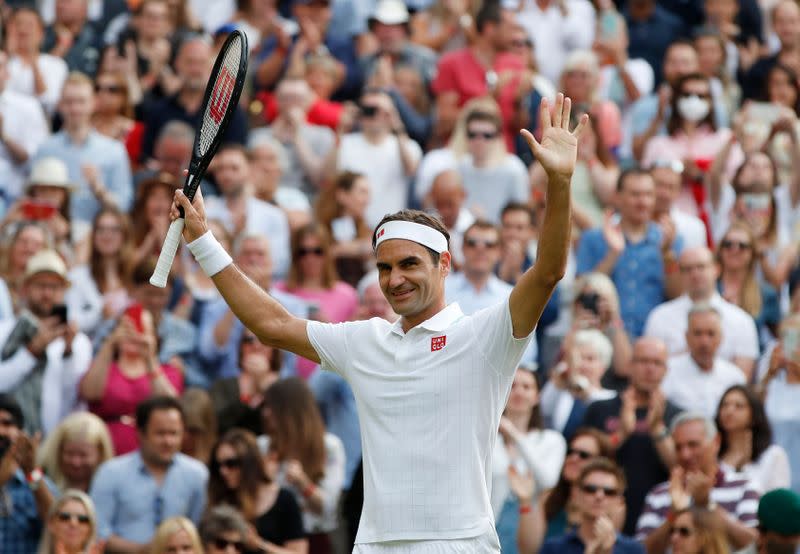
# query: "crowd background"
{"points": [[657, 408]]}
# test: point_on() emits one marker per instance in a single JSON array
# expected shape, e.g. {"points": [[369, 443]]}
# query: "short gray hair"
{"points": [[598, 342], [367, 281], [691, 417], [178, 131], [262, 137], [220, 520], [703, 308], [250, 235]]}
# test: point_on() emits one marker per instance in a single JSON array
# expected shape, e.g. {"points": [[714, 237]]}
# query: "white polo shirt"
{"points": [[693, 389], [669, 321], [429, 402]]}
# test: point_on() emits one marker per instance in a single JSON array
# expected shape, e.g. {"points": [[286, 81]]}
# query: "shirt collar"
{"points": [[140, 465], [438, 323]]}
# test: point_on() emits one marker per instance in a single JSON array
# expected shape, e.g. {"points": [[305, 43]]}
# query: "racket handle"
{"points": [[164, 264]]}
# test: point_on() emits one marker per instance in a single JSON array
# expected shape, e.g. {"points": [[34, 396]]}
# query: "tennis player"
{"points": [[430, 388]]}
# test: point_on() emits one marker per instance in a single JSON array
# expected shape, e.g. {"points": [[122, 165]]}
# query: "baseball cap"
{"points": [[779, 512], [390, 12], [46, 261]]}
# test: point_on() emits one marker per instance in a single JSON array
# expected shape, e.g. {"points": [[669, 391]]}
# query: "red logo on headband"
{"points": [[381, 232], [437, 343]]}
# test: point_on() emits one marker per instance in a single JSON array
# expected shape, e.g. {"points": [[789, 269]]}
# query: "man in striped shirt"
{"points": [[698, 480]]}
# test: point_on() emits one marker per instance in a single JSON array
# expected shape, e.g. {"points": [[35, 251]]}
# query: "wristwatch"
{"points": [[34, 479]]}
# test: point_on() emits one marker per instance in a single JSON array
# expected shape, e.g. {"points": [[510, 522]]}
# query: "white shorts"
{"points": [[482, 544]]}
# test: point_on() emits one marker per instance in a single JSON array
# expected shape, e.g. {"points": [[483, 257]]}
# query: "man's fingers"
{"points": [[557, 112], [544, 114], [566, 113], [533, 144], [582, 124]]}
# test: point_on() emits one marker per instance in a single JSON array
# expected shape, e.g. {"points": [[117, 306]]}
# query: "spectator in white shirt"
{"points": [[739, 339], [447, 198], [696, 380], [241, 211], [31, 72], [670, 202]]}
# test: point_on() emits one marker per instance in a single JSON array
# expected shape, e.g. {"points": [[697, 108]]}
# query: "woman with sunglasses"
{"points": [[238, 478], [312, 277], [176, 535], [696, 531], [559, 503], [72, 526], [113, 113]]}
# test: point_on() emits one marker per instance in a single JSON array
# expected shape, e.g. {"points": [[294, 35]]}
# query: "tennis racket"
{"points": [[219, 102]]}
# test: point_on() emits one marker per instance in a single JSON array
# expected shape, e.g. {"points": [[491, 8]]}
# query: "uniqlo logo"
{"points": [[381, 232], [221, 95], [437, 343]]}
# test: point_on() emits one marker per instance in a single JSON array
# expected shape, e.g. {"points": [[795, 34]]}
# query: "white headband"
{"points": [[416, 232]]}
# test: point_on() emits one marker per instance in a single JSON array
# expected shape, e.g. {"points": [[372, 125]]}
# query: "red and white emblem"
{"points": [[381, 232], [437, 343]]}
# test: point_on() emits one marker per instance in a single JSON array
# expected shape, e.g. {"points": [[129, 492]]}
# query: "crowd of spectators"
{"points": [[658, 408]]}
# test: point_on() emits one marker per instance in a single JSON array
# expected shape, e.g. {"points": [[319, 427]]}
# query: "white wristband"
{"points": [[210, 254]]}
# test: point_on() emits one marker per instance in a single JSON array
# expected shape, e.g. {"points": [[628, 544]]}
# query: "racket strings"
{"points": [[220, 96]]}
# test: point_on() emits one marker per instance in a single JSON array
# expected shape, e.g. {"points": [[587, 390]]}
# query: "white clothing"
{"points": [[383, 168], [458, 289], [264, 219], [640, 73], [213, 14], [485, 544], [433, 163], [720, 219], [54, 72], [84, 300], [25, 123], [330, 486], [541, 453], [61, 375], [690, 388], [690, 228], [429, 403], [6, 304], [771, 471], [668, 322], [47, 9], [556, 404]]}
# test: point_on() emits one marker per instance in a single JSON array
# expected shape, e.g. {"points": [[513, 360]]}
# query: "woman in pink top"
{"points": [[313, 278], [125, 372]]}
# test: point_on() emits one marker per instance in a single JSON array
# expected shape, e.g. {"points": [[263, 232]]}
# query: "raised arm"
{"points": [[557, 154], [256, 309]]}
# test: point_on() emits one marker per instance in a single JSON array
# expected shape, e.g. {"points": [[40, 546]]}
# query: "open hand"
{"points": [[558, 150]]}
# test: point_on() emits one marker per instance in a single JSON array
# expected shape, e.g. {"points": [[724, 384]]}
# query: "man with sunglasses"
{"points": [[599, 501]]}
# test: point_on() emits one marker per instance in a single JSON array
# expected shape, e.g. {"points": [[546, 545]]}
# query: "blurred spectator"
{"points": [[746, 440], [193, 62], [200, 287], [446, 25], [32, 72], [23, 129], [43, 355], [779, 522], [652, 30], [371, 301], [523, 448], [176, 535], [98, 165], [135, 492], [475, 71], [151, 221], [560, 503], [113, 114], [25, 493], [597, 530], [200, 424], [697, 379], [340, 210], [739, 337], [575, 383], [242, 212], [310, 462], [172, 153], [220, 332], [238, 477], [698, 481], [312, 277], [717, 58], [21, 242], [674, 202], [73, 37], [637, 420], [236, 399], [222, 528], [447, 197], [125, 372], [74, 450], [695, 530], [636, 252], [71, 526], [382, 152]]}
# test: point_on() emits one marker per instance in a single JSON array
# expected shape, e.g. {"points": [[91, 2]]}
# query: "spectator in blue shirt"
{"points": [[651, 29], [600, 504], [135, 492], [638, 253]]}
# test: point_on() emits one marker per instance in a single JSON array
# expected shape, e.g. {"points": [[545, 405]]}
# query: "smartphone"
{"points": [[791, 342], [588, 300], [609, 25], [38, 210], [60, 311], [134, 311]]}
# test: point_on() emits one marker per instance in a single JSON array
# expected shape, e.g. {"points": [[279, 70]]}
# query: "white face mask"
{"points": [[693, 108]]}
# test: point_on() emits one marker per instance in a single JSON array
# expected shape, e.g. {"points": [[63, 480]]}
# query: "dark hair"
{"points": [[676, 43], [416, 216], [252, 472], [220, 520], [234, 147], [139, 223], [674, 121], [759, 424], [793, 81], [629, 173], [480, 115], [327, 207], [604, 465], [9, 404], [96, 265], [29, 9], [491, 12], [295, 277], [141, 273], [275, 359], [154, 404], [738, 173], [483, 225], [519, 207]]}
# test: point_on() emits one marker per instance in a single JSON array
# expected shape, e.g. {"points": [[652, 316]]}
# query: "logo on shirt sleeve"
{"points": [[437, 343]]}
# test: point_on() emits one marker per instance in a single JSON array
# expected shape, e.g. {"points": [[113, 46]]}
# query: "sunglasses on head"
{"points": [[230, 463], [594, 489], [737, 244], [582, 454], [682, 531], [113, 89], [318, 251], [69, 516], [472, 135], [222, 544]]}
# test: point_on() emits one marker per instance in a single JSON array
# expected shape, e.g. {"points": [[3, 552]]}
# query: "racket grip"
{"points": [[165, 259]]}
